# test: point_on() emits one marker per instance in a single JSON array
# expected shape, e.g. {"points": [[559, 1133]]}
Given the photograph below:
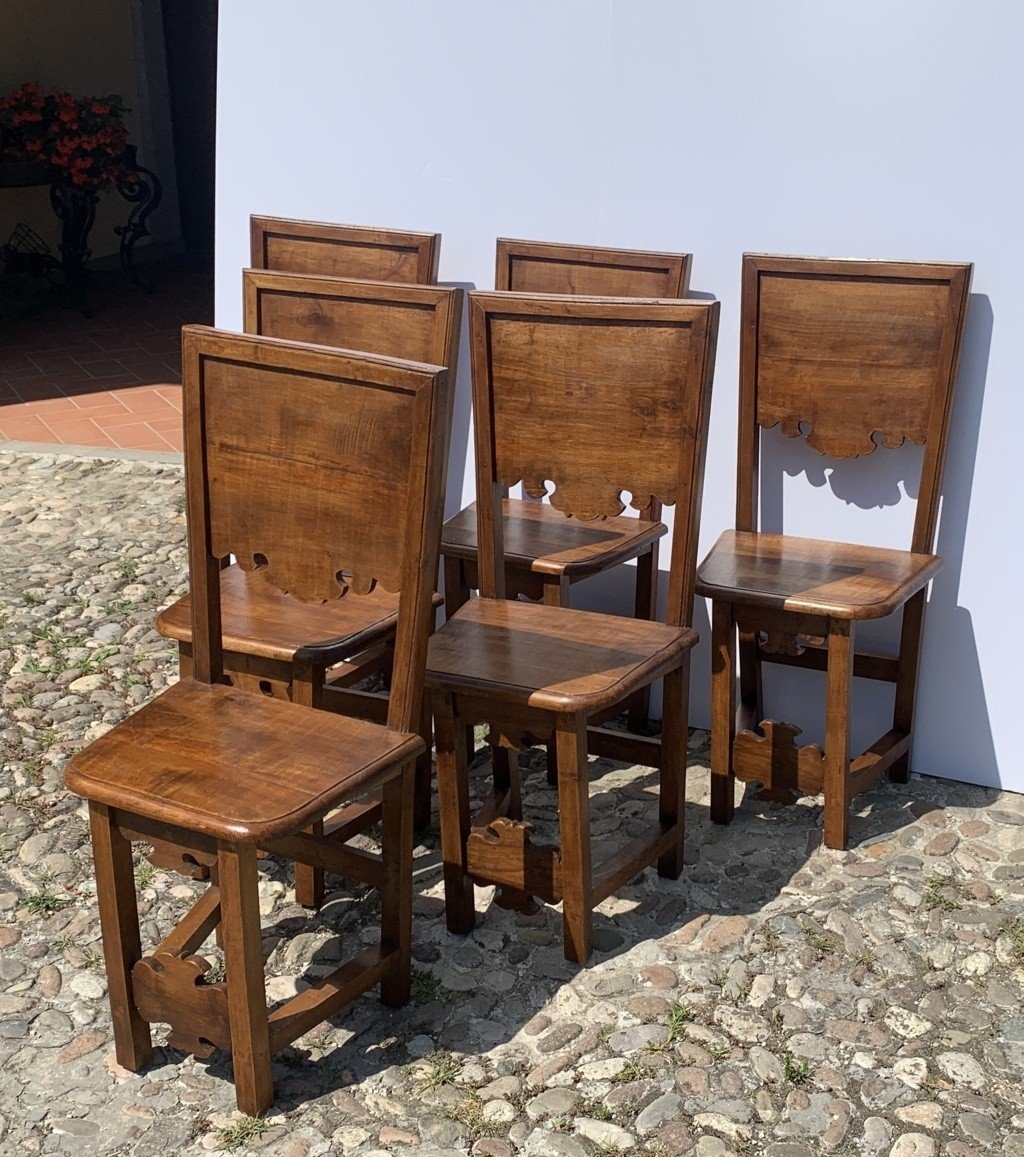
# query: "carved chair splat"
{"points": [[314, 652], [536, 671], [286, 446], [853, 356], [544, 554]]}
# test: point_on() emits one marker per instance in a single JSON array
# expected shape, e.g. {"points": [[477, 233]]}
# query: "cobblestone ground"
{"points": [[779, 999]]}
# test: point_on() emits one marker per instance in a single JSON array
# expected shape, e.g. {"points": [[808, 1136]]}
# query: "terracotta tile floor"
{"points": [[109, 380]]}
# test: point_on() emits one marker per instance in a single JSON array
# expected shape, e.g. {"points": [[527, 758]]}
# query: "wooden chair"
{"points": [[274, 643], [564, 388], [287, 446], [861, 353], [545, 554], [344, 250]]}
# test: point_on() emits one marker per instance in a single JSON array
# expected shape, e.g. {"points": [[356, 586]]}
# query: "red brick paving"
{"points": [[109, 380]]}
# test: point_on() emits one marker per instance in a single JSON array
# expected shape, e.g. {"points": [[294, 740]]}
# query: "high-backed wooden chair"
{"points": [[851, 355], [544, 554], [287, 446], [599, 396], [323, 249], [273, 642]]}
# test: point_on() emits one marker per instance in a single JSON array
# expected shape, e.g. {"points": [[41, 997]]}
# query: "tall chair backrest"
{"points": [[545, 267], [344, 250], [286, 447], [849, 355], [417, 322], [599, 396]]}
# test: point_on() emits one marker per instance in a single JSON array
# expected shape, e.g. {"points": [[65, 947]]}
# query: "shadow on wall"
{"points": [[459, 450]]}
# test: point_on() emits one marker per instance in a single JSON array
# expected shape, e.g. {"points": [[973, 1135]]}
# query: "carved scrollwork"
{"points": [[502, 853], [171, 989], [171, 857], [777, 642], [773, 759], [587, 499], [840, 443], [305, 583]]}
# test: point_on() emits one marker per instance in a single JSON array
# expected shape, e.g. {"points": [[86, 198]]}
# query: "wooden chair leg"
{"points": [[645, 607], [396, 887], [672, 792], [184, 663], [723, 712], [310, 882], [574, 828], [243, 967], [906, 679], [456, 594], [122, 947], [505, 772], [751, 682], [837, 732], [556, 594], [421, 790], [453, 806]]}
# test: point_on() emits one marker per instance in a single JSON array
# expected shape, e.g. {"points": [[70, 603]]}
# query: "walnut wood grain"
{"points": [[589, 270], [344, 250]]}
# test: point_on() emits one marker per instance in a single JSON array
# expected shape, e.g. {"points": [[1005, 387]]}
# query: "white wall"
{"points": [[887, 129]]}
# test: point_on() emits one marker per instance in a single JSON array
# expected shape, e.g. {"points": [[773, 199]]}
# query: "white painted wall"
{"points": [[869, 128]]}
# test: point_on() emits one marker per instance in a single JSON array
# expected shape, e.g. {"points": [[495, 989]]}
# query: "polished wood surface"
{"points": [[234, 766], [208, 767], [856, 357], [600, 396], [552, 658], [589, 270], [539, 538], [813, 576], [318, 247]]}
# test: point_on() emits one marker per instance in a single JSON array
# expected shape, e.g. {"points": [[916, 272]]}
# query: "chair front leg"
{"points": [[308, 689], [119, 923], [421, 789], [906, 678], [723, 711], [574, 829], [396, 886], [453, 805], [672, 792], [243, 967], [556, 594], [837, 732]]}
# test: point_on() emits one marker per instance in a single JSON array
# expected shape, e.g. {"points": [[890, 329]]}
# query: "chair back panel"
{"points": [[850, 355], [599, 396], [543, 267], [416, 322], [344, 250], [287, 448]]}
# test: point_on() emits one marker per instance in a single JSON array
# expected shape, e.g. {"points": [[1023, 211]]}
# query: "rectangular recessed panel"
{"points": [[529, 274], [849, 356], [598, 406], [309, 473], [341, 258]]}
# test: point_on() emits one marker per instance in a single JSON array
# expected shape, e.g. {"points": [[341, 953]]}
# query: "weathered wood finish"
{"points": [[851, 355], [320, 248], [600, 376], [208, 767]]}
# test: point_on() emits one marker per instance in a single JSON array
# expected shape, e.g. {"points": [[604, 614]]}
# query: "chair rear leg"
{"points": [[453, 806], [556, 594], [456, 594], [421, 789], [837, 732], [243, 966], [310, 882], [574, 828], [122, 948], [906, 679], [645, 607], [723, 711], [396, 886], [672, 793]]}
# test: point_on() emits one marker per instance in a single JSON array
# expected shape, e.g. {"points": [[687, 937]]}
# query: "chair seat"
{"points": [[542, 539], [551, 658], [835, 579], [233, 765], [257, 619]]}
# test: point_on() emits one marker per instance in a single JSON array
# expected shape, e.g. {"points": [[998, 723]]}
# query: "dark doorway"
{"points": [[190, 37]]}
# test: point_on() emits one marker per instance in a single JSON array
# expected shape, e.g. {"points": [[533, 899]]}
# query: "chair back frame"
{"points": [[556, 396], [854, 349], [319, 247], [286, 447], [589, 270]]}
